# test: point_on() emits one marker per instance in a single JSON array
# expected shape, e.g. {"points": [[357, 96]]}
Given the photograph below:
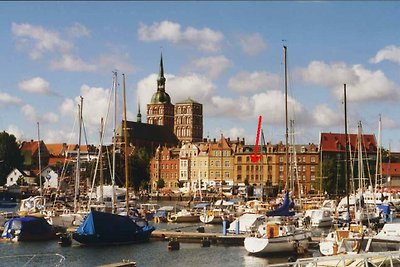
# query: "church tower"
{"points": [[160, 111], [189, 121]]}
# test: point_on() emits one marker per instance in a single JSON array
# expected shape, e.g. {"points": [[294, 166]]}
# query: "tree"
{"points": [[139, 173], [160, 183], [10, 156]]}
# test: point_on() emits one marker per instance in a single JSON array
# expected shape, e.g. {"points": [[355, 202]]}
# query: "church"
{"points": [[167, 124]]}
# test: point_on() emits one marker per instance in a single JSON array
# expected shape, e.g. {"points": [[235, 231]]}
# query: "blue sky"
{"points": [[226, 55]]}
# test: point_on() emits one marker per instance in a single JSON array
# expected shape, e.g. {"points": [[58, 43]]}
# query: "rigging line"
{"points": [[100, 144]]}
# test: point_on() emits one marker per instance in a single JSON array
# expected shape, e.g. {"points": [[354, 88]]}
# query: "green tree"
{"points": [[160, 183], [10, 155], [139, 173]]}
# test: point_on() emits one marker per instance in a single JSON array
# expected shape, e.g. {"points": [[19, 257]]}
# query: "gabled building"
{"points": [[165, 166], [30, 151], [333, 148], [221, 165], [391, 175], [19, 177]]}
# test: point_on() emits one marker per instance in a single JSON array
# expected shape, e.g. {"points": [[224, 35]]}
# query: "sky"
{"points": [[227, 55]]}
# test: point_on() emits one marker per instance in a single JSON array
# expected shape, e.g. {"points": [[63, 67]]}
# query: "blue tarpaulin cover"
{"points": [[284, 209]]}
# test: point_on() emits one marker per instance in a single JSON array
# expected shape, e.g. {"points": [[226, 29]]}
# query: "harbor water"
{"points": [[153, 253]]}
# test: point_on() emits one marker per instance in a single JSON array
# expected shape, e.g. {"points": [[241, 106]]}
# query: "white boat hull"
{"points": [[290, 243]]}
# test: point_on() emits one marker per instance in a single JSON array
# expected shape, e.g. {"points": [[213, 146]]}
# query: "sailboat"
{"points": [[278, 234], [103, 228]]}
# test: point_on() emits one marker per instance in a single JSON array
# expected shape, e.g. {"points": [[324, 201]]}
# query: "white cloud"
{"points": [[325, 117], [49, 117], [271, 106], [42, 40], [59, 136], [391, 53], [78, 30], [115, 62], [14, 130], [213, 67], [362, 84], [235, 132], [255, 81], [70, 62], [203, 39], [95, 106], [29, 113], [7, 100], [388, 123], [35, 85], [252, 44], [196, 87]]}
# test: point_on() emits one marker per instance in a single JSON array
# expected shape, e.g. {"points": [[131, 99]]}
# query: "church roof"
{"points": [[188, 101], [160, 97], [149, 132]]}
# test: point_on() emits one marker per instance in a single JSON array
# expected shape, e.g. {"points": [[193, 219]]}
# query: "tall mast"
{"points": [[39, 162], [101, 161], [378, 166], [126, 149], [286, 119], [114, 140], [346, 156], [78, 157], [222, 166]]}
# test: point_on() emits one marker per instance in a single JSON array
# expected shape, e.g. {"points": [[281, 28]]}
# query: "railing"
{"points": [[51, 259], [387, 258]]}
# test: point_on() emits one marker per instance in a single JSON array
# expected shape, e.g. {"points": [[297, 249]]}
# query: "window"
{"points": [[226, 163], [312, 159], [281, 168], [239, 159], [313, 168], [239, 168], [281, 159]]}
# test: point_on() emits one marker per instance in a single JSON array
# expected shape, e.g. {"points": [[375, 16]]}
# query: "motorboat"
{"points": [[317, 218], [277, 237]]}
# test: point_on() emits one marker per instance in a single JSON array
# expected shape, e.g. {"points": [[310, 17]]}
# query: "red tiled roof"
{"points": [[53, 160], [335, 142], [55, 149], [73, 147], [392, 169], [30, 146]]}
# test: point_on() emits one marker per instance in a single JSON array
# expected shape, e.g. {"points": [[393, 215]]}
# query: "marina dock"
{"points": [[195, 237]]}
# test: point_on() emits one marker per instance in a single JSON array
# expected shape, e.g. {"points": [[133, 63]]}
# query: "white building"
{"points": [[49, 178]]}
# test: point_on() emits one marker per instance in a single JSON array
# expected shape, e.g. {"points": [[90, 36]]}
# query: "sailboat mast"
{"points": [[39, 162], [78, 157], [114, 141], [101, 162], [346, 160], [378, 165], [126, 149], [286, 119]]}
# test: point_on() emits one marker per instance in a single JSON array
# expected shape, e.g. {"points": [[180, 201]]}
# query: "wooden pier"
{"points": [[195, 237]]}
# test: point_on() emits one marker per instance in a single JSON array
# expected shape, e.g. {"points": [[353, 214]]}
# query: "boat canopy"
{"points": [[284, 209], [104, 224], [28, 225]]}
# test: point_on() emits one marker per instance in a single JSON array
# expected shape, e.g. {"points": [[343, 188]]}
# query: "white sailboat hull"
{"points": [[289, 243]]}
